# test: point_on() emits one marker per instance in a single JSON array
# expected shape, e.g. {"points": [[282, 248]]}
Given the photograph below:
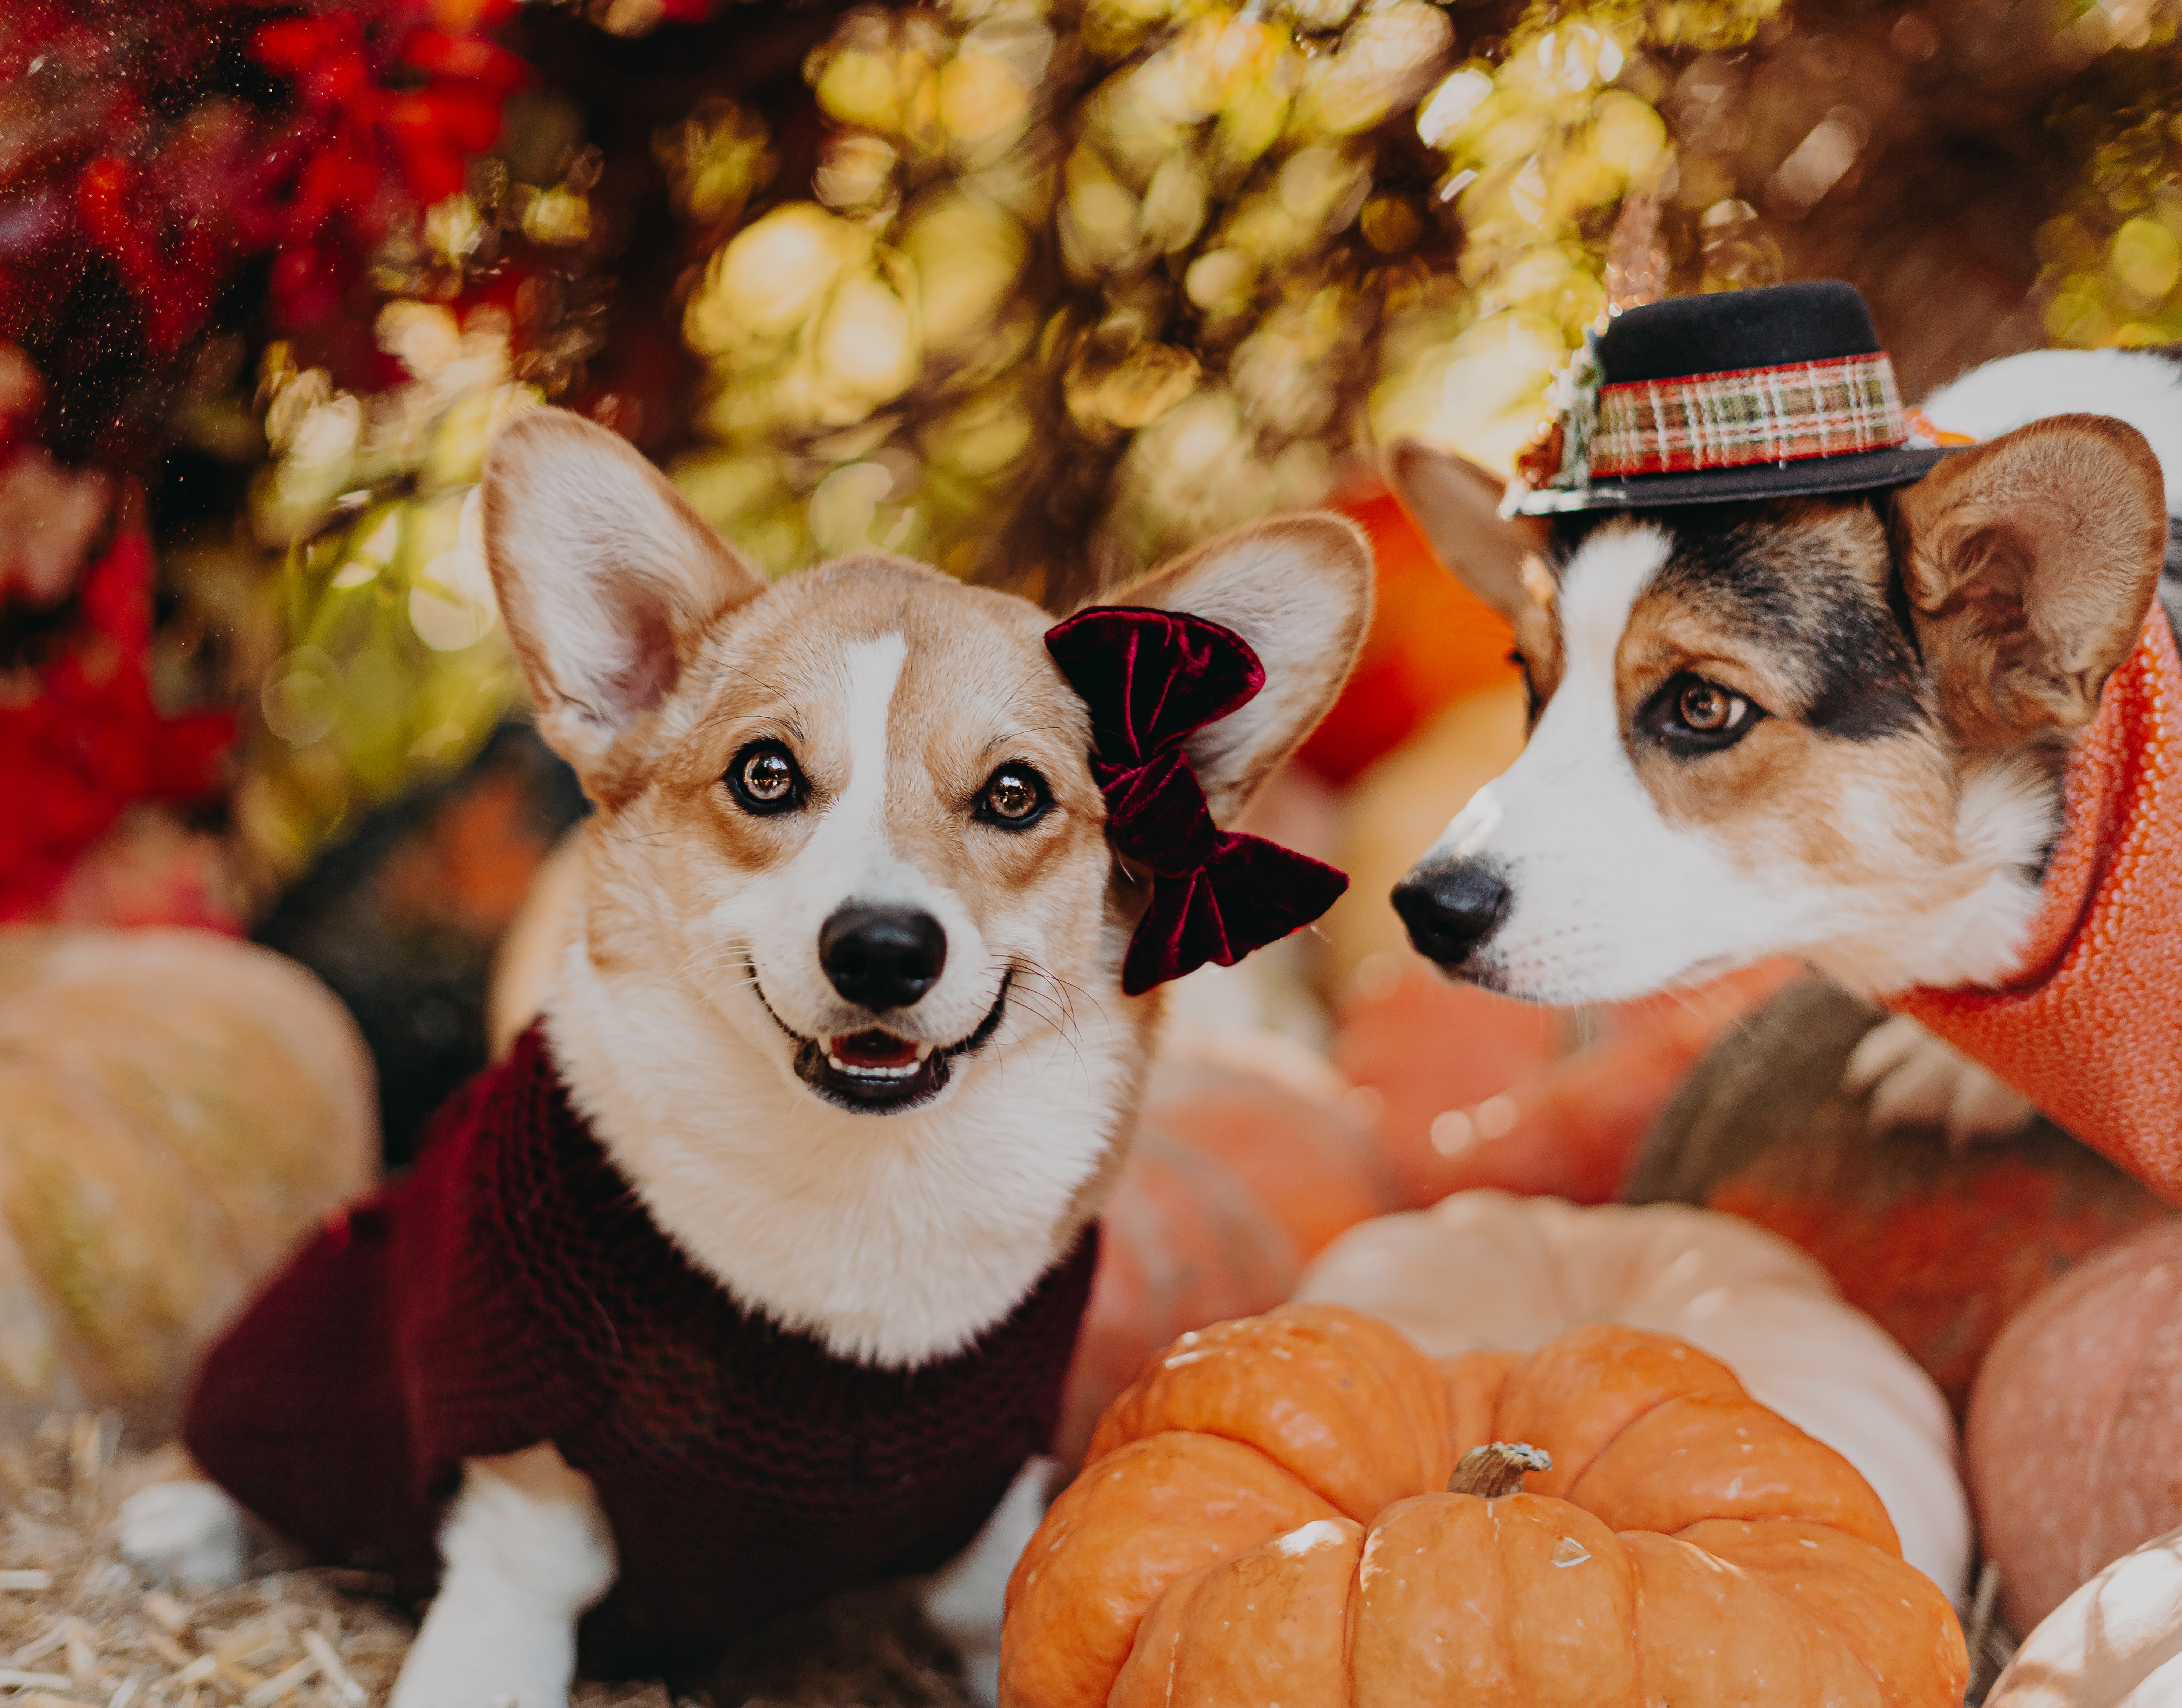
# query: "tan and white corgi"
{"points": [[843, 1005], [1832, 727]]}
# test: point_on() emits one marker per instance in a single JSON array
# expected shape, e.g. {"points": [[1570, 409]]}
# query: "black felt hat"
{"points": [[1738, 395]]}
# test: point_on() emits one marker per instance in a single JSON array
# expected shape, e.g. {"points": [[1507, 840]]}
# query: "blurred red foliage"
{"points": [[91, 743], [151, 154]]}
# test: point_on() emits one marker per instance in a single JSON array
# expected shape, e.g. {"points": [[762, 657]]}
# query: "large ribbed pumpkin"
{"points": [[1267, 1518], [1493, 1271], [176, 1110]]}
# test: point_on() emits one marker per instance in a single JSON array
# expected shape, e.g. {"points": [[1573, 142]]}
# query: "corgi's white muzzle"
{"points": [[881, 960]]}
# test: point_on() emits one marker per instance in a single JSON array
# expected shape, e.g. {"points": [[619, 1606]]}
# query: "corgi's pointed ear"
{"points": [[1456, 505], [2029, 563], [1299, 589], [606, 577]]}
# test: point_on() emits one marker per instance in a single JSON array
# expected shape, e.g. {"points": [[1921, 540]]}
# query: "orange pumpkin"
{"points": [[1262, 1520], [1426, 1045], [1314, 1168]]}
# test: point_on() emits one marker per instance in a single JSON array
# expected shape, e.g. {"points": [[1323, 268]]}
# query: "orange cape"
{"points": [[2090, 1031]]}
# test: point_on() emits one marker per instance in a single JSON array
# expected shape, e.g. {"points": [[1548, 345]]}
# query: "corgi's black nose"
{"points": [[1451, 909], [882, 958]]}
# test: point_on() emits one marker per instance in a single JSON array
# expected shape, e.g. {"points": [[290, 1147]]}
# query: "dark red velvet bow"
{"points": [[1150, 677]]}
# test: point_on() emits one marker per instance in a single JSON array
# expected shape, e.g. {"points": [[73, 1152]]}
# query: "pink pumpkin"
{"points": [[2074, 1441]]}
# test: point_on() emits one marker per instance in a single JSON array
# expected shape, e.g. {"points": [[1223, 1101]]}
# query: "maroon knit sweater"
{"points": [[510, 1289]]}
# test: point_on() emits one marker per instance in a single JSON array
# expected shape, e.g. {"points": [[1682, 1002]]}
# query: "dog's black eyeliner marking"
{"points": [[1532, 705], [1662, 718], [1757, 573]]}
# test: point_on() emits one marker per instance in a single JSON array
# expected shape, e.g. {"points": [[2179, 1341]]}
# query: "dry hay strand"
{"points": [[80, 1627]]}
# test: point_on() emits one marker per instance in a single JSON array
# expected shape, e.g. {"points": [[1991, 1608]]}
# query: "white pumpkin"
{"points": [[1487, 1269], [2115, 1643]]}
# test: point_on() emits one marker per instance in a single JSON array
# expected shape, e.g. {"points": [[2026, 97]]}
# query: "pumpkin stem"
{"points": [[1497, 1470]]}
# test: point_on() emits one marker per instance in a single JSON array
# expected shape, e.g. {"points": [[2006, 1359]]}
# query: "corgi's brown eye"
{"points": [[764, 779], [1015, 798], [1707, 707], [1692, 715]]}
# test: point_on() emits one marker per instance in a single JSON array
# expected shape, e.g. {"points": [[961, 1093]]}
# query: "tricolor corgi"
{"points": [[1794, 692]]}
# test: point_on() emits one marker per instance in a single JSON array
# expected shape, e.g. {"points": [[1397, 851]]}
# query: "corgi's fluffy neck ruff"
{"points": [[2007, 817], [833, 1222]]}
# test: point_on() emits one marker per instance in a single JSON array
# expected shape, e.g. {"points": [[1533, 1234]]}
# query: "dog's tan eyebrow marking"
{"points": [[1018, 739], [1024, 684], [790, 727]]}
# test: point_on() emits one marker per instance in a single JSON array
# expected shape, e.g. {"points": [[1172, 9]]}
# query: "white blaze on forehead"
{"points": [[870, 670], [1574, 779], [1600, 588], [849, 858]]}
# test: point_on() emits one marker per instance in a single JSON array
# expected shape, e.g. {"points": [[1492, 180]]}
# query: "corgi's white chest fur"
{"points": [[894, 1240]]}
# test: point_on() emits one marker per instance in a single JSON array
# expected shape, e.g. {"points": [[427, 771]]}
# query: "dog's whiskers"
{"points": [[1054, 1008], [1058, 1010], [711, 957], [1070, 991]]}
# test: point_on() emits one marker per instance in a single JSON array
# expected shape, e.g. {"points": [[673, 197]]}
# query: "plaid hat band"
{"points": [[1752, 415]]}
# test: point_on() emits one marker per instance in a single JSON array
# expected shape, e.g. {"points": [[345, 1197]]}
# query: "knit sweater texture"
{"points": [[511, 1290], [2091, 1028]]}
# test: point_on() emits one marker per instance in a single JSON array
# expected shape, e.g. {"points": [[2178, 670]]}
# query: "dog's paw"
{"points": [[456, 1664], [189, 1531], [1914, 1079]]}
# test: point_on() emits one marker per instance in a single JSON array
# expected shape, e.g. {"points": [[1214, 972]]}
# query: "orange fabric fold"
{"points": [[2090, 1031]]}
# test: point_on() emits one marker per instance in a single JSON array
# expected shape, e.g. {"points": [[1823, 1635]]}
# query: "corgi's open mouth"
{"points": [[877, 1071]]}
